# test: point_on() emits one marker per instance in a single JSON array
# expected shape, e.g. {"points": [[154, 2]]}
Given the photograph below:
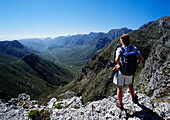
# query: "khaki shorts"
{"points": [[122, 80]]}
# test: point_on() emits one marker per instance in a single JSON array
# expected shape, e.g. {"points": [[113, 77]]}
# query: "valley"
{"points": [[73, 52]]}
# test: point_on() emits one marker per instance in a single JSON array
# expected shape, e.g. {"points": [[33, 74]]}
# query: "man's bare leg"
{"points": [[131, 89], [119, 93]]}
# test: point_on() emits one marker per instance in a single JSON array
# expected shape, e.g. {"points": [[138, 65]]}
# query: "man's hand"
{"points": [[140, 59], [117, 66]]}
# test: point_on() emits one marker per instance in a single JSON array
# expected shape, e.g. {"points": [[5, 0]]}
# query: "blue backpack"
{"points": [[128, 62]]}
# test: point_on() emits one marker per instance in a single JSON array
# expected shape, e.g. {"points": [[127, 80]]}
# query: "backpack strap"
{"points": [[131, 48], [117, 76], [123, 49]]}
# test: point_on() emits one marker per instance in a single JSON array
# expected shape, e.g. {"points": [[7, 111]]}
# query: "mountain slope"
{"points": [[93, 82], [146, 25], [49, 71], [4, 58], [31, 75]]}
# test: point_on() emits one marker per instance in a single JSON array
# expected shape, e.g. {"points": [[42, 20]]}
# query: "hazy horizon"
{"points": [[52, 37], [44, 37]]}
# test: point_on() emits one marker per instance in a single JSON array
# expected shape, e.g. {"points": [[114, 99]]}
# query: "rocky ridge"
{"points": [[74, 109]]}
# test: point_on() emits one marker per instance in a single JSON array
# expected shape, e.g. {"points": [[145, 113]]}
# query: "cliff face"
{"points": [[155, 77], [153, 42]]}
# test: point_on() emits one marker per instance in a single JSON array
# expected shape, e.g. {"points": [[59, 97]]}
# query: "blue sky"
{"points": [[51, 18]]}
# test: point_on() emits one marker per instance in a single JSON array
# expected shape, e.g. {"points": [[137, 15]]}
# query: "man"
{"points": [[121, 79]]}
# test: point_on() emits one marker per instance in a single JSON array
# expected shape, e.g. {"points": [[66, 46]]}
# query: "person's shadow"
{"points": [[144, 114]]}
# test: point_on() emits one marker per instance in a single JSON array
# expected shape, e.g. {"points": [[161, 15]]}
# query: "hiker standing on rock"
{"points": [[128, 58]]}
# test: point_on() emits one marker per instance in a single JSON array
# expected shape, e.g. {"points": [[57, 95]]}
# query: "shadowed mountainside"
{"points": [[31, 75]]}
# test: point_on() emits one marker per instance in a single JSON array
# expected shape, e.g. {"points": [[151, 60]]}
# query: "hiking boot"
{"points": [[135, 99], [119, 106]]}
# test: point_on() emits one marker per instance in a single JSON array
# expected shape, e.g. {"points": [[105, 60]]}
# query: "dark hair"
{"points": [[125, 39]]}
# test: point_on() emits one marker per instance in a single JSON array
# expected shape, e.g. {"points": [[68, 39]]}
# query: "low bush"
{"points": [[39, 115], [58, 106]]}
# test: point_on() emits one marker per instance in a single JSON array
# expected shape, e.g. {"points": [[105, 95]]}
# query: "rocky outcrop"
{"points": [[106, 109], [73, 109], [17, 108], [155, 77]]}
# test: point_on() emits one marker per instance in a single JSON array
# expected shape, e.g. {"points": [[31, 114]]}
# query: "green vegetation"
{"points": [[39, 115], [4, 58], [66, 106], [76, 107], [58, 106], [25, 107]]}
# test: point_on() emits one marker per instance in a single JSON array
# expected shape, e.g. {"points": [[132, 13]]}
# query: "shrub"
{"points": [[76, 107], [36, 114], [47, 118], [25, 107], [66, 106], [33, 114], [58, 106]]}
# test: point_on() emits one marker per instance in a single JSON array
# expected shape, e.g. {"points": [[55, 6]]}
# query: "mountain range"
{"points": [[74, 51]]}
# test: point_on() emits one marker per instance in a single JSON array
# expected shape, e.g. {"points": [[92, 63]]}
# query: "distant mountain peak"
{"points": [[48, 38], [146, 25], [123, 28], [13, 48], [16, 44]]}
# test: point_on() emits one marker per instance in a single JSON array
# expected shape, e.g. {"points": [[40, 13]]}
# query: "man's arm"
{"points": [[140, 59], [117, 61]]}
